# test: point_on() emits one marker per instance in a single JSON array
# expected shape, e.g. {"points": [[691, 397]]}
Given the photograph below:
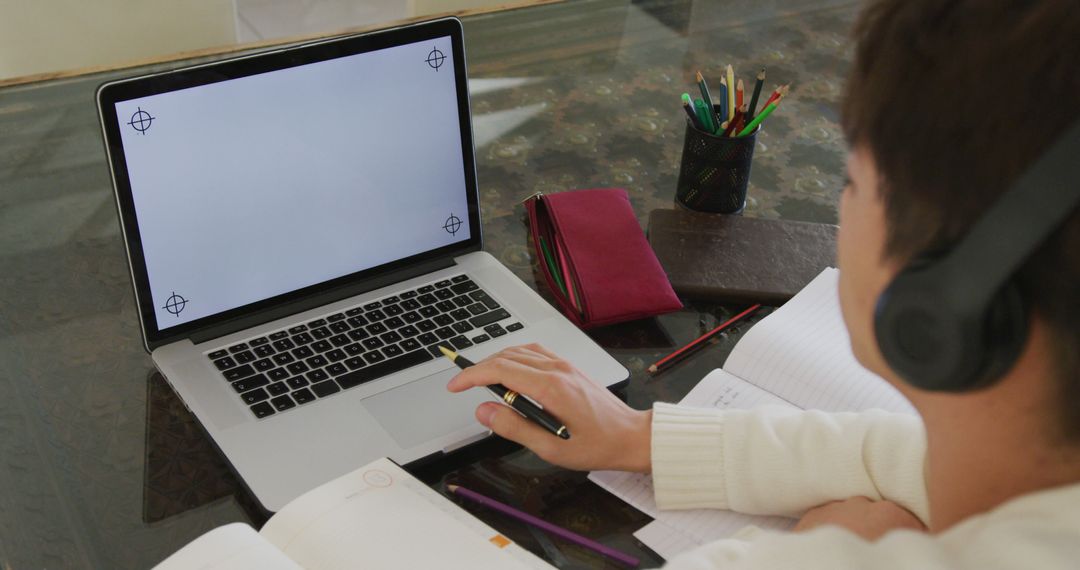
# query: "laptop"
{"points": [[303, 229]]}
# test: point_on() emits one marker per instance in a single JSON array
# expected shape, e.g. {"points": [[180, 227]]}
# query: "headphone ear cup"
{"points": [[1005, 331]]}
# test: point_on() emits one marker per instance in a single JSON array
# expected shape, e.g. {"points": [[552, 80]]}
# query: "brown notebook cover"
{"points": [[731, 258]]}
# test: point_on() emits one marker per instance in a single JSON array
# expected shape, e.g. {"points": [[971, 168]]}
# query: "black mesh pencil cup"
{"points": [[715, 171]]}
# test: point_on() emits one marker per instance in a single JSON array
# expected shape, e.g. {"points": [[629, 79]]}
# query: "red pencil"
{"points": [[700, 341], [782, 90], [739, 94]]}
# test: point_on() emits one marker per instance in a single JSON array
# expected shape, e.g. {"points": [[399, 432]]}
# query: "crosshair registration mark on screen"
{"points": [[141, 121], [435, 58], [175, 303]]}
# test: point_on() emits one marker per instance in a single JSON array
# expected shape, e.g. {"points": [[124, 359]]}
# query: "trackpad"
{"points": [[421, 411]]}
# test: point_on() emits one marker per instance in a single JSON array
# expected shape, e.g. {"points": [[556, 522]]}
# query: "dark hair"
{"points": [[954, 99]]}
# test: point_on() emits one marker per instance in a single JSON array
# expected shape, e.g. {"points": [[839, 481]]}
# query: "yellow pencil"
{"points": [[730, 93]]}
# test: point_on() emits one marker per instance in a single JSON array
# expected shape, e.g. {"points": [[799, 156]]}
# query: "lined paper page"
{"points": [[680, 529], [801, 352]]}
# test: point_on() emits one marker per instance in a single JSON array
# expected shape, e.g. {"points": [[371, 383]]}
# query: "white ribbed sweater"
{"points": [[779, 461]]}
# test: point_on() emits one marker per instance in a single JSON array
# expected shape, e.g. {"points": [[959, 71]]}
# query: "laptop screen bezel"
{"points": [[123, 90]]}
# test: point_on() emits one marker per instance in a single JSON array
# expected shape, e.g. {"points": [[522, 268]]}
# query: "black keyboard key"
{"points": [[435, 351], [303, 396], [354, 349], [462, 327], [224, 363], [321, 346], [317, 323], [336, 369], [459, 278], [278, 374], [443, 320], [428, 338], [278, 335], [315, 376], [302, 338], [394, 322], [408, 294], [389, 300], [324, 389], [340, 327], [487, 301], [335, 317], [488, 318], [357, 321], [317, 361], [372, 306], [300, 381], [411, 317], [298, 329], [390, 337], [460, 314], [355, 362], [321, 333], [426, 289], [303, 352], [443, 283], [239, 372], [353, 312], [376, 315], [393, 310], [250, 383], [277, 388], [372, 343], [428, 312], [444, 294], [258, 341], [264, 364], [369, 373], [477, 308], [514, 327], [494, 327], [254, 396], [428, 299], [374, 357], [340, 340], [464, 287], [284, 344], [426, 326], [497, 332], [218, 354], [460, 342], [282, 403], [480, 338], [445, 333], [262, 410], [410, 305], [463, 301], [283, 358], [408, 331], [358, 334], [238, 347], [410, 344], [445, 306], [336, 355], [264, 351], [376, 328], [297, 368], [392, 351]]}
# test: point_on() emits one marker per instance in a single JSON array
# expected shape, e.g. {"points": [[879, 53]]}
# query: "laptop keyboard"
{"points": [[317, 359]]}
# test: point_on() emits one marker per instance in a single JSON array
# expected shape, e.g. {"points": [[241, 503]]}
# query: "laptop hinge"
{"points": [[319, 300]]}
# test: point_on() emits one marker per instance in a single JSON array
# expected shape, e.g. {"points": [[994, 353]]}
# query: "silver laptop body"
{"points": [[291, 219]]}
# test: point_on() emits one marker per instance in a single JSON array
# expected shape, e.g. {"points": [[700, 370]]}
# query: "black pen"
{"points": [[512, 399]]}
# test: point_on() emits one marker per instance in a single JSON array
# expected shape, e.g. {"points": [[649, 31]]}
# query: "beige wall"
{"points": [[38, 36]]}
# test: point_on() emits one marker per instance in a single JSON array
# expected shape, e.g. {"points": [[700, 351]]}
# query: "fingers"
{"points": [[521, 368], [511, 425]]}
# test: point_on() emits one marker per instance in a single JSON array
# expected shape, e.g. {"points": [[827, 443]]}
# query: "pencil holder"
{"points": [[715, 171]]}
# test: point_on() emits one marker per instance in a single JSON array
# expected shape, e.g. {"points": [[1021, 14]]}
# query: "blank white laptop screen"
{"points": [[254, 187]]}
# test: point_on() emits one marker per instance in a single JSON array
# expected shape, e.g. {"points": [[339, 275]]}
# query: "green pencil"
{"points": [[749, 128], [705, 116], [551, 265]]}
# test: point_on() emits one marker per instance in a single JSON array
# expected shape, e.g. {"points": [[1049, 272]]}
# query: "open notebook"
{"points": [[798, 356], [378, 516]]}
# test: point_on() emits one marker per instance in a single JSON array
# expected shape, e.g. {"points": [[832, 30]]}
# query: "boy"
{"points": [[948, 103]]}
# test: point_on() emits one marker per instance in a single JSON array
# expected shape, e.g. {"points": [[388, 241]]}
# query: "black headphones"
{"points": [[957, 322]]}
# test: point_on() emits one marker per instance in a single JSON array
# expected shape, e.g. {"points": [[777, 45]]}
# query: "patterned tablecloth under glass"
{"points": [[101, 466]]}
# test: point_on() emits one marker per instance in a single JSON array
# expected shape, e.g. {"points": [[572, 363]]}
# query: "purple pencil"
{"points": [[557, 531]]}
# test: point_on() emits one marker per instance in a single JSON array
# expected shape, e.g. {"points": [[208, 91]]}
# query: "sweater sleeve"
{"points": [[782, 461]]}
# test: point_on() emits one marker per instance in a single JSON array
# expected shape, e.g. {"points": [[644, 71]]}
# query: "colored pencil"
{"points": [[723, 98], [739, 95], [780, 91], [688, 106], [705, 116], [757, 93], [740, 119], [749, 128], [544, 525], [571, 292], [551, 264], [704, 88], [731, 92], [700, 341]]}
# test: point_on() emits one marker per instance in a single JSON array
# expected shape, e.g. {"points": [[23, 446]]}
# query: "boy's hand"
{"points": [[605, 433], [868, 519]]}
